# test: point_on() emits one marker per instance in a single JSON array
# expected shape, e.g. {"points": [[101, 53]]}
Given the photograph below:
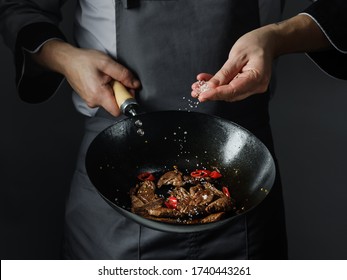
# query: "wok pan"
{"points": [[188, 140]]}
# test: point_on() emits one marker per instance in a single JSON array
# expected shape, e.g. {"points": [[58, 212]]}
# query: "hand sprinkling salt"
{"points": [[202, 86]]}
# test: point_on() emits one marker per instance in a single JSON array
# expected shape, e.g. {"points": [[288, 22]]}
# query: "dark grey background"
{"points": [[39, 143]]}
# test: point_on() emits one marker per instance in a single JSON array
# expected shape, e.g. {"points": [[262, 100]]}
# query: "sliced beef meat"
{"points": [[136, 203], [222, 204], [181, 194], [173, 178], [145, 208], [212, 218], [192, 211], [165, 212], [146, 191], [201, 196], [215, 191], [196, 201]]}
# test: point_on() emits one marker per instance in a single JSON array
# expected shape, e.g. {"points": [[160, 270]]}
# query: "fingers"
{"points": [[223, 77], [225, 74], [107, 70], [204, 77], [90, 72], [116, 71], [108, 101], [99, 93], [242, 86], [249, 82], [122, 74]]}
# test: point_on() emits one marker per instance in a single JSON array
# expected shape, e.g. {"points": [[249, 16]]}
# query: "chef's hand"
{"points": [[89, 72], [247, 71], [248, 68]]}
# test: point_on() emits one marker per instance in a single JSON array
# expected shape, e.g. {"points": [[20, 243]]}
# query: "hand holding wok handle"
{"points": [[126, 102]]}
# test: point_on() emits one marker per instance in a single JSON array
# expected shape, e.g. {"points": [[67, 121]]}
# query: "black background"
{"points": [[39, 143]]}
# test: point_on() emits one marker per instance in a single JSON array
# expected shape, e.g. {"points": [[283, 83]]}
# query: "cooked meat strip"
{"points": [[195, 189], [191, 210], [146, 191], [214, 190], [212, 218], [222, 204], [202, 197], [136, 202], [144, 209], [165, 212], [181, 194], [171, 178]]}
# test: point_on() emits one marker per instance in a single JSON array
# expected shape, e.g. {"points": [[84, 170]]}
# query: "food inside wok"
{"points": [[191, 141], [182, 199]]}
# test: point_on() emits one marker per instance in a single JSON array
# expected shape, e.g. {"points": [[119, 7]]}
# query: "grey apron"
{"points": [[166, 43]]}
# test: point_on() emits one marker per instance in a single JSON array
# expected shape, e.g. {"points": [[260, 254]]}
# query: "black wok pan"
{"points": [[189, 141]]}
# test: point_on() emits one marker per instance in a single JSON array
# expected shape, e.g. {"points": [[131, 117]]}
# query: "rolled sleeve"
{"points": [[330, 16], [25, 26], [34, 83]]}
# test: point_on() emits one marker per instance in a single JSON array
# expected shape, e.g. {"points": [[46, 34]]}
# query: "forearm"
{"points": [[89, 72], [54, 55]]}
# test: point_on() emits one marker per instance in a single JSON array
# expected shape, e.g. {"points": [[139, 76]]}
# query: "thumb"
{"points": [[122, 74], [108, 101], [226, 74]]}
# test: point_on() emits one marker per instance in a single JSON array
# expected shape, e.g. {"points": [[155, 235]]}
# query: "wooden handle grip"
{"points": [[121, 93]]}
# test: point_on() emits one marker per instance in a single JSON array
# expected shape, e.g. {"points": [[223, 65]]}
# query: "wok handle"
{"points": [[127, 104]]}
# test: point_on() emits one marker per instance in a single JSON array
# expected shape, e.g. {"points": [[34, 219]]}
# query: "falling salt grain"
{"points": [[138, 123], [140, 132]]}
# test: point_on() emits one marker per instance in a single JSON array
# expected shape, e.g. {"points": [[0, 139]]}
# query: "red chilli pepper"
{"points": [[200, 173], [146, 176], [226, 191], [215, 175], [171, 202]]}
